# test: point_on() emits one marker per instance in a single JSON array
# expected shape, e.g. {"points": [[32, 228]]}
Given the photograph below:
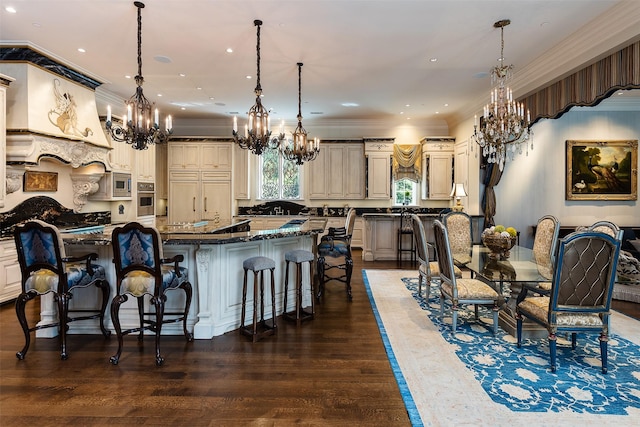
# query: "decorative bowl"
{"points": [[498, 245]]}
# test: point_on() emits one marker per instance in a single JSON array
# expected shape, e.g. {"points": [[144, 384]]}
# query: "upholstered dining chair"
{"points": [[336, 244], [580, 296], [457, 291], [45, 268], [427, 270], [142, 271], [545, 245], [460, 232]]}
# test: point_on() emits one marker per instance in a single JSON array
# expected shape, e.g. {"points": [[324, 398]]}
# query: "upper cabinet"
{"points": [[4, 83], [437, 167], [192, 154], [145, 163], [378, 152], [337, 172]]}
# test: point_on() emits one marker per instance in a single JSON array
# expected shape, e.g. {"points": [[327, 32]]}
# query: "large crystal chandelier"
{"points": [[504, 126], [257, 133], [300, 149], [140, 126]]}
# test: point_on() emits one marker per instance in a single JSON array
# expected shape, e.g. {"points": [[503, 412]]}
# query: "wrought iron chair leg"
{"points": [[115, 319], [103, 285], [63, 312], [159, 305], [21, 302], [188, 290]]}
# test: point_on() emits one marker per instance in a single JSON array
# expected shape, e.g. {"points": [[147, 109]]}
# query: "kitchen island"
{"points": [[214, 259]]}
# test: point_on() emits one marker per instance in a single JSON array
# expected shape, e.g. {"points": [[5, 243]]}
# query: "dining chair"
{"points": [[427, 270], [545, 245], [46, 269], [460, 232], [580, 297], [459, 291], [143, 272]]}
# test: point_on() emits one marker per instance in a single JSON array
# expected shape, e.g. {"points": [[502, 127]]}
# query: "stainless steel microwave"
{"points": [[121, 184]]}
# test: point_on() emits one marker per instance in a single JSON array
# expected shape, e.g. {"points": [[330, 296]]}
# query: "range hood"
{"points": [[51, 111]]}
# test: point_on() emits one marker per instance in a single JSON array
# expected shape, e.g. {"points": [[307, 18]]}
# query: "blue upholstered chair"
{"points": [[46, 269], [141, 270], [337, 245], [580, 297], [427, 270]]}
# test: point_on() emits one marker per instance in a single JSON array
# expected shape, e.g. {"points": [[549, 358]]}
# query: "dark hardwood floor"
{"points": [[332, 371]]}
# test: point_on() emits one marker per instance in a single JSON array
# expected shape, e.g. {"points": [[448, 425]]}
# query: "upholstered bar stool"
{"points": [[298, 257], [258, 330]]}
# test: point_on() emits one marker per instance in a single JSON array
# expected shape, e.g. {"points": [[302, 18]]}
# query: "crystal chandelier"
{"points": [[504, 126], [300, 149], [140, 126], [257, 134]]}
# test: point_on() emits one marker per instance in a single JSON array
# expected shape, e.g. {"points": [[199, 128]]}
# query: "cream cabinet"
{"points": [[437, 167], [338, 172], [10, 275], [4, 83], [200, 187], [121, 156], [241, 173], [379, 152], [162, 177], [145, 164], [200, 154]]}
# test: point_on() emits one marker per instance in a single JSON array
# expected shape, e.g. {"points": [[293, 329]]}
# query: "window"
{"points": [[278, 178], [405, 192]]}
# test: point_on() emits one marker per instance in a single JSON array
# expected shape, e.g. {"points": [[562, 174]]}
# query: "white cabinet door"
{"points": [[184, 202], [146, 164], [183, 155], [216, 155], [317, 175], [216, 201], [337, 165], [241, 174], [354, 172], [440, 175], [379, 176]]}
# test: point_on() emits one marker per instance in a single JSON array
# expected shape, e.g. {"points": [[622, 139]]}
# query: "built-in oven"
{"points": [[146, 205]]}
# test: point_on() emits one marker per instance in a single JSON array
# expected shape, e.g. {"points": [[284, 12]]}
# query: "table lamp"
{"points": [[457, 191]]}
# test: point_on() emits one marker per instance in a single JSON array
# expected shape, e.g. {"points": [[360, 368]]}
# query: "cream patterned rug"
{"points": [[443, 386]]}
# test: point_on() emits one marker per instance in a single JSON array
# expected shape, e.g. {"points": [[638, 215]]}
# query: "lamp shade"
{"points": [[458, 190]]}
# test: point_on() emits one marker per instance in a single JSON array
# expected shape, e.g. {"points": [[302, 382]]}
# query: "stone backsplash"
{"points": [[283, 207]]}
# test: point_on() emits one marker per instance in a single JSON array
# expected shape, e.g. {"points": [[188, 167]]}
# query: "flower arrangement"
{"points": [[499, 239]]}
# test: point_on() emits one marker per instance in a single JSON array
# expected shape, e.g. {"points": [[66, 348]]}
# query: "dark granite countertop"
{"points": [[198, 237]]}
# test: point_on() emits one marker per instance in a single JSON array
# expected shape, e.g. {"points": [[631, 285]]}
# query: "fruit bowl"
{"points": [[498, 245]]}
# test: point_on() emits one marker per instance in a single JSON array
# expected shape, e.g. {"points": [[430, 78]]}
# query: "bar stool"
{"points": [[406, 229], [258, 330], [298, 257]]}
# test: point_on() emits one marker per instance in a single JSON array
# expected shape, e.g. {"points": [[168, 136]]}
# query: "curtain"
{"points": [[491, 179], [407, 161]]}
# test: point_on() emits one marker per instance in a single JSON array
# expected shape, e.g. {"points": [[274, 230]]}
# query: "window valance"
{"points": [[407, 161], [588, 86]]}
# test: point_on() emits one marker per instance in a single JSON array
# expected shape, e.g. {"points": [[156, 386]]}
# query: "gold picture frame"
{"points": [[602, 170], [40, 181]]}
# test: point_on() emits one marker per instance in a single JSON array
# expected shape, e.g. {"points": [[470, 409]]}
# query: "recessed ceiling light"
{"points": [[10, 9], [221, 104], [437, 112], [620, 93], [127, 76], [446, 105], [182, 75], [248, 77], [433, 59], [229, 50], [81, 50], [163, 59], [350, 104], [198, 88], [401, 112], [407, 105], [316, 112], [211, 98], [160, 95], [36, 24], [183, 108]]}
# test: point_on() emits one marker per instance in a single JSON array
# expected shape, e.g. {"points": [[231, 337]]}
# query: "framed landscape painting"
{"points": [[602, 170]]}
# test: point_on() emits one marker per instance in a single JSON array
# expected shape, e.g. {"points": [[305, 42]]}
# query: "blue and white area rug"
{"points": [[475, 378]]}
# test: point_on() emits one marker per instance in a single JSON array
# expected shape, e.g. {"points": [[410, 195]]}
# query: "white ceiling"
{"points": [[376, 54]]}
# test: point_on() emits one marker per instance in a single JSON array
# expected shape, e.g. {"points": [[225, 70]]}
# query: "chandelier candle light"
{"points": [[300, 149], [505, 123], [257, 134], [141, 125]]}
